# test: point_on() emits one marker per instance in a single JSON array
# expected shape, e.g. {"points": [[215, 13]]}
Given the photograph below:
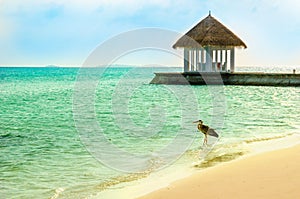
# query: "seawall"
{"points": [[250, 79]]}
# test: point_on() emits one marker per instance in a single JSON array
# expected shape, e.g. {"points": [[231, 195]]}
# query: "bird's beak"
{"points": [[195, 121]]}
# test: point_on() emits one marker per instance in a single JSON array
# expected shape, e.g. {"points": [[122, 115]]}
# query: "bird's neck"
{"points": [[199, 126]]}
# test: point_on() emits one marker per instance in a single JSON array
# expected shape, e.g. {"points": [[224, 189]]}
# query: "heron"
{"points": [[206, 130]]}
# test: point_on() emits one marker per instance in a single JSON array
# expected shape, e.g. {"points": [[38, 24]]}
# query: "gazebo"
{"points": [[209, 47]]}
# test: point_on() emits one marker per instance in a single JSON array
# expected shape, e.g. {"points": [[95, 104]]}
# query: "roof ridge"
{"points": [[210, 32]]}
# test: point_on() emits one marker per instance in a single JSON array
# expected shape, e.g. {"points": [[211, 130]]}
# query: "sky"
{"points": [[66, 32]]}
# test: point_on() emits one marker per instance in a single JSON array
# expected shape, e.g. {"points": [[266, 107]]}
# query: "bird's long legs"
{"points": [[205, 140]]}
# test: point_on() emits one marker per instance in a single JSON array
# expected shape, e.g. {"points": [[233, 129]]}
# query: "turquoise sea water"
{"points": [[44, 156]]}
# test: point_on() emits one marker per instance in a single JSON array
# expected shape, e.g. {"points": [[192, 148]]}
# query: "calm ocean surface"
{"points": [[43, 155]]}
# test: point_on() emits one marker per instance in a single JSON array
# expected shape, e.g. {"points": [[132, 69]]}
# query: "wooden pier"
{"points": [[247, 79]]}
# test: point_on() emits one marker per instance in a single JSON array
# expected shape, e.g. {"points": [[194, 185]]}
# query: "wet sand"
{"points": [[273, 174]]}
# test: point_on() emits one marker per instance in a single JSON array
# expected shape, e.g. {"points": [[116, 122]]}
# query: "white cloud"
{"points": [[87, 4], [291, 5]]}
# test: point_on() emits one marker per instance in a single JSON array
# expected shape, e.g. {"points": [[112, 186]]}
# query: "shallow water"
{"points": [[43, 155]]}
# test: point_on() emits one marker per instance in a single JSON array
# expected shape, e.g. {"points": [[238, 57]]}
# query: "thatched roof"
{"points": [[209, 32]]}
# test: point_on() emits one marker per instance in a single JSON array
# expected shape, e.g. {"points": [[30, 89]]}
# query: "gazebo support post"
{"points": [[232, 60], [208, 59], [186, 60]]}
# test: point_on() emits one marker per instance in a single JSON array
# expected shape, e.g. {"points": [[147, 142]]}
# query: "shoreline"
{"points": [[163, 179], [266, 174]]}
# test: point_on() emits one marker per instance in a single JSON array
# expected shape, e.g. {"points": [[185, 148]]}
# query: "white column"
{"points": [[211, 59], [232, 60], [192, 60], [226, 59], [186, 60], [221, 60], [217, 55], [202, 59], [208, 59], [197, 60]]}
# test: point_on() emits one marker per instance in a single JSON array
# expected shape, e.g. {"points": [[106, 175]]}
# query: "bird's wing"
{"points": [[212, 132]]}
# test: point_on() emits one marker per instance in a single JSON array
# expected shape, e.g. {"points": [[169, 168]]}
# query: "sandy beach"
{"points": [[273, 174]]}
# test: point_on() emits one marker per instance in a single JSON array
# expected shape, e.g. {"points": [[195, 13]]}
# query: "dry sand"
{"points": [[273, 175]]}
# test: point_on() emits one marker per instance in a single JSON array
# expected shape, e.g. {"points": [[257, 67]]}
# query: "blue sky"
{"points": [[65, 32]]}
